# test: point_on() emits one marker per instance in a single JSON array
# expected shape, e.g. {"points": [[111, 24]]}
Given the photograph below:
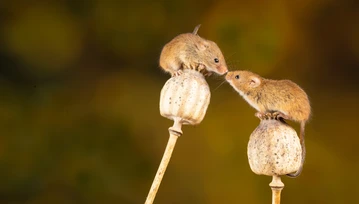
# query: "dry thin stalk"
{"points": [[175, 131], [276, 185]]}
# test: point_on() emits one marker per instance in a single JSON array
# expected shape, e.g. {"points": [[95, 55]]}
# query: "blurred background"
{"points": [[79, 100]]}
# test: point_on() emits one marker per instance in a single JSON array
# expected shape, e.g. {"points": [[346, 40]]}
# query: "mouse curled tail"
{"points": [[302, 143]]}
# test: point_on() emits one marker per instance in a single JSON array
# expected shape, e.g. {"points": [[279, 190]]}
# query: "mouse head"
{"points": [[244, 81], [212, 57]]}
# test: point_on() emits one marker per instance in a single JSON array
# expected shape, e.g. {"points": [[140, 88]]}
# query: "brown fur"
{"points": [[267, 95], [191, 51]]}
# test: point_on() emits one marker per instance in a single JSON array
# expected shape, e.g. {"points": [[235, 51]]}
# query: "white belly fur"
{"points": [[246, 98]]}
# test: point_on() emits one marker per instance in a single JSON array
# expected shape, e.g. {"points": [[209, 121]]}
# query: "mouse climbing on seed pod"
{"points": [[190, 51], [282, 99]]}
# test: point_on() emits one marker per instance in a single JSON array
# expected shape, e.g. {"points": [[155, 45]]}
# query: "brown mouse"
{"points": [[190, 51], [282, 97]]}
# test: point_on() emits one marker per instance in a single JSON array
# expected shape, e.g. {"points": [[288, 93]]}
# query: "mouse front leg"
{"points": [[206, 74], [202, 69]]}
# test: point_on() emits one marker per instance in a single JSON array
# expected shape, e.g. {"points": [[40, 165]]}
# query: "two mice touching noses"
{"points": [[280, 98]]}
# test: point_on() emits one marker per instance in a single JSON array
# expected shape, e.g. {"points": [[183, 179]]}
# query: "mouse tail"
{"points": [[196, 29], [302, 144]]}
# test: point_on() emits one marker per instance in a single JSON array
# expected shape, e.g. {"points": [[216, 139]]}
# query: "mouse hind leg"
{"points": [[272, 115], [177, 68], [280, 116], [177, 73]]}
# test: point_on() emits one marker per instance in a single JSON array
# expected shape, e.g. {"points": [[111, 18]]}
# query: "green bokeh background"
{"points": [[79, 97]]}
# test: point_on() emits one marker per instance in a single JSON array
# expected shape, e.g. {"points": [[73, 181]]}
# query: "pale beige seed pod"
{"points": [[185, 97], [274, 149]]}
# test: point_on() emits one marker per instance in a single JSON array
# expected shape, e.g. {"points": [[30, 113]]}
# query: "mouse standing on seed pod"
{"points": [[190, 51], [280, 98]]}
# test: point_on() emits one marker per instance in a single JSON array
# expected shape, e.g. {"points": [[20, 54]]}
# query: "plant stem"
{"points": [[276, 185], [175, 131]]}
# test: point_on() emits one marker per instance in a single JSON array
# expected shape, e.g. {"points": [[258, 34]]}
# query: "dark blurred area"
{"points": [[80, 85]]}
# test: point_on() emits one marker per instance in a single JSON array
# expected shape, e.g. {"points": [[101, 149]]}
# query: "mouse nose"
{"points": [[229, 75], [222, 69], [225, 69]]}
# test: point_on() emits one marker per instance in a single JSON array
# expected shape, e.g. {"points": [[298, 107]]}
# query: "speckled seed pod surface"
{"points": [[185, 97], [274, 149]]}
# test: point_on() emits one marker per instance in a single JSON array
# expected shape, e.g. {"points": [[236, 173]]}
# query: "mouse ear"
{"points": [[254, 81], [202, 45]]}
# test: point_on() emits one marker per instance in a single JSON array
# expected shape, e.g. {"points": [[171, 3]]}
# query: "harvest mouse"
{"points": [[283, 98], [190, 51]]}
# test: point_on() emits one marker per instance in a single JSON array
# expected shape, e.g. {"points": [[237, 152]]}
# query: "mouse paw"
{"points": [[260, 115], [177, 73], [269, 116], [206, 74], [201, 67]]}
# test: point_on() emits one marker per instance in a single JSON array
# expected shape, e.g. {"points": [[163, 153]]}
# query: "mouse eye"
{"points": [[237, 77], [216, 60]]}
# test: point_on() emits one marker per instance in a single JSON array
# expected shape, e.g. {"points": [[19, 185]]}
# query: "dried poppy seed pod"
{"points": [[185, 97], [274, 149]]}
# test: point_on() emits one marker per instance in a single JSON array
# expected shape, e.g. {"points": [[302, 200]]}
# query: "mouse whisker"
{"points": [[219, 85], [231, 55]]}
